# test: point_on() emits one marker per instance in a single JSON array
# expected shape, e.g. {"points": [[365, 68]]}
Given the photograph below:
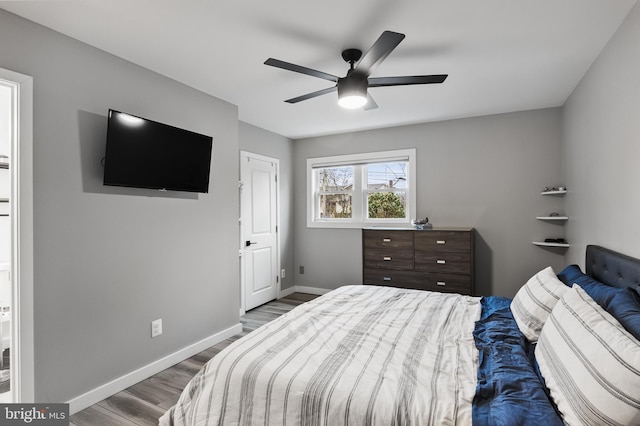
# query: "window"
{"points": [[351, 191]]}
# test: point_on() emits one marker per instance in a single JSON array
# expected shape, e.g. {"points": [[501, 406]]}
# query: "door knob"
{"points": [[248, 243]]}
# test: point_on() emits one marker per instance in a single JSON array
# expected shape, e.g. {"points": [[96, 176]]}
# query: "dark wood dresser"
{"points": [[440, 259]]}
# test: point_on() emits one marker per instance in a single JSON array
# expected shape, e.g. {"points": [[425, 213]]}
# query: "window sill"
{"points": [[360, 225]]}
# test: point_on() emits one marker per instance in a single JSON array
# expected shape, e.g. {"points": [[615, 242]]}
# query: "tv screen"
{"points": [[146, 154]]}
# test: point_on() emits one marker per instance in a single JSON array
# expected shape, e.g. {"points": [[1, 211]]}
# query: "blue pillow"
{"points": [[625, 307], [569, 274], [623, 304], [598, 291]]}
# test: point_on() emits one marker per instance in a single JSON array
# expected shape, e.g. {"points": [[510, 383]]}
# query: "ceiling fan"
{"points": [[352, 89]]}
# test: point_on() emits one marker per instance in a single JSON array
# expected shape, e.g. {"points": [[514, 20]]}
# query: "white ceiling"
{"points": [[501, 55]]}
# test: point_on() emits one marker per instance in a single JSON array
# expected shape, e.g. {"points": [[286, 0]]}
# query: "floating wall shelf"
{"points": [[552, 219], [543, 244]]}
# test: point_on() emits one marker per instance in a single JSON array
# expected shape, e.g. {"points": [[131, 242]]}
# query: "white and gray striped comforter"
{"points": [[359, 355]]}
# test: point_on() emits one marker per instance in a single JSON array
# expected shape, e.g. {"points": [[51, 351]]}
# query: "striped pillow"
{"points": [[535, 300], [590, 363]]}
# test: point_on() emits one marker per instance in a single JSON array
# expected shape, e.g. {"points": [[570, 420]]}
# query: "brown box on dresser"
{"points": [[435, 260]]}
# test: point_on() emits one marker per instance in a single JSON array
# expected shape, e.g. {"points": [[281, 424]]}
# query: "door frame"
{"points": [[21, 168], [242, 185]]}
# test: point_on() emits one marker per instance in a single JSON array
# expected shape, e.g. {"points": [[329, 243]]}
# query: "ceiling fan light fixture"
{"points": [[352, 101], [352, 92]]}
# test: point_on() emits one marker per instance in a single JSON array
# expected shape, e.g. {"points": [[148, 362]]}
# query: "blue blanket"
{"points": [[509, 390]]}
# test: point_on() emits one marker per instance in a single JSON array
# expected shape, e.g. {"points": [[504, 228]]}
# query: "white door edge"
{"points": [[21, 167]]}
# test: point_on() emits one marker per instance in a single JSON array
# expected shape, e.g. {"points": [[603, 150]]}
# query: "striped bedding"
{"points": [[359, 355]]}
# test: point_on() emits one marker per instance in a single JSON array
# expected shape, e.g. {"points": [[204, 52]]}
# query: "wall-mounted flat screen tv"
{"points": [[143, 153]]}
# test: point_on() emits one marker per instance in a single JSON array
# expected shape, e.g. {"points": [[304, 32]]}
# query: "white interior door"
{"points": [[259, 211]]}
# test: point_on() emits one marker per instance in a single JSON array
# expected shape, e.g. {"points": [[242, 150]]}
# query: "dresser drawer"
{"points": [[459, 263], [446, 283], [442, 241], [389, 258], [374, 239], [390, 278]]}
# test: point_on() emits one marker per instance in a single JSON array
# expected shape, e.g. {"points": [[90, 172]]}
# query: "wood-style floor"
{"points": [[144, 402]]}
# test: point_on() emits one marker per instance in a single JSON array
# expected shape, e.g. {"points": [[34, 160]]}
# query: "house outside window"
{"points": [[359, 190]]}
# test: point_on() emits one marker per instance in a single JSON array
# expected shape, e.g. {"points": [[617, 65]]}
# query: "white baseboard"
{"points": [[303, 289], [96, 395], [312, 290], [286, 292]]}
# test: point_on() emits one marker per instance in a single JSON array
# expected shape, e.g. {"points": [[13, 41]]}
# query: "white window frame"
{"points": [[359, 217]]}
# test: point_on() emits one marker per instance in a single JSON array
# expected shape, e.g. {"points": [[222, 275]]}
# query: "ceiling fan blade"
{"points": [[371, 104], [378, 52], [407, 80], [300, 69], [312, 95]]}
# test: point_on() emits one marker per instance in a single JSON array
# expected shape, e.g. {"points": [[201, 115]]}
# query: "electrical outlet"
{"points": [[283, 273], [301, 270], [156, 328]]}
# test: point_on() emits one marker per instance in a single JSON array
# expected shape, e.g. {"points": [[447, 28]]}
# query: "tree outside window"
{"points": [[386, 187]]}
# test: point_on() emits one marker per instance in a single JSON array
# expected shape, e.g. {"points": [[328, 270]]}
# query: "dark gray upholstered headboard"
{"points": [[613, 268]]}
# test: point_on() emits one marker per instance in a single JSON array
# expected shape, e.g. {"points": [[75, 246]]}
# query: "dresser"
{"points": [[440, 259]]}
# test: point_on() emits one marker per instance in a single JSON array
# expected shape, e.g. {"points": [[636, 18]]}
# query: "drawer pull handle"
{"points": [[386, 258], [441, 283], [441, 242], [440, 261], [386, 240], [386, 279]]}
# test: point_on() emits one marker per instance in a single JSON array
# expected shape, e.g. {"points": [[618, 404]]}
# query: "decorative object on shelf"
{"points": [[555, 189], [421, 224], [555, 240]]}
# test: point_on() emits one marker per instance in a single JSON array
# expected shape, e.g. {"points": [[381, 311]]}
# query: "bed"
{"points": [[564, 350]]}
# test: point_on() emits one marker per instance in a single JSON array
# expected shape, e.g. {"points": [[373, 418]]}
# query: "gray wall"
{"points": [[108, 260], [259, 141], [601, 148], [484, 172]]}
